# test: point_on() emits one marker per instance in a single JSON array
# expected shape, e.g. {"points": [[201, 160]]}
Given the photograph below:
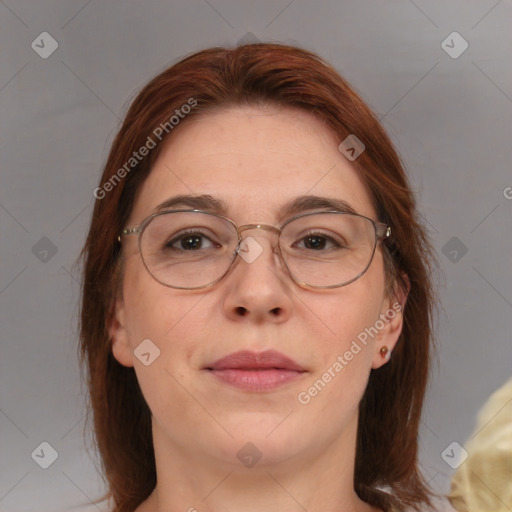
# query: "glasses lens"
{"points": [[193, 250], [328, 249], [188, 249]]}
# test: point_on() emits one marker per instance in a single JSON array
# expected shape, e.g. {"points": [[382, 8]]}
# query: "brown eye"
{"points": [[190, 241]]}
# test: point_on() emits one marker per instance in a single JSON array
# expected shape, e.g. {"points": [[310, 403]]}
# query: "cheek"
{"points": [[345, 342], [353, 308], [153, 310], [158, 324], [142, 301], [169, 318]]}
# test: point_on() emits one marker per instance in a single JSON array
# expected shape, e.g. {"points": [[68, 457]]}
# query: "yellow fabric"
{"points": [[483, 483]]}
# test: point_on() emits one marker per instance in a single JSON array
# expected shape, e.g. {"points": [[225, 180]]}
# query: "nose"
{"points": [[257, 288], [249, 249]]}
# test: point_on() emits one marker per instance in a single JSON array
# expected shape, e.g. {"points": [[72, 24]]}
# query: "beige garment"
{"points": [[483, 483]]}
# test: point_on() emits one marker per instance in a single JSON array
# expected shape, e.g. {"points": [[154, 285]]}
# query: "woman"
{"points": [[257, 305]]}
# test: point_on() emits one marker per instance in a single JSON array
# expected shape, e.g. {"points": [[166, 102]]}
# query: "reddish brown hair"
{"points": [[390, 411]]}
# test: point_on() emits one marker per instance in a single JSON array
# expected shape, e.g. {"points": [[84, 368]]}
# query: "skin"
{"points": [[255, 159]]}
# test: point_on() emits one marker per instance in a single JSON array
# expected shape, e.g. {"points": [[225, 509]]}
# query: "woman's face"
{"points": [[254, 160]]}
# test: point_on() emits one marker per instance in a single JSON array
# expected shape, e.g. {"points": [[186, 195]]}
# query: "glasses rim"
{"points": [[382, 232]]}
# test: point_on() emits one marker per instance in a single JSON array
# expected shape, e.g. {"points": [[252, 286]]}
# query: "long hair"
{"points": [[386, 466]]}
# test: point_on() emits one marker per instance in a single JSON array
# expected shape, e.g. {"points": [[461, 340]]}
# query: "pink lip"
{"points": [[256, 371]]}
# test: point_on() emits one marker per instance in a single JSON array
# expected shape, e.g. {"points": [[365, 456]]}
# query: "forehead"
{"points": [[254, 160]]}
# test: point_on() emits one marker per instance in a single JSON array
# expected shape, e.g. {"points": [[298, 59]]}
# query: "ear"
{"points": [[121, 348], [391, 316]]}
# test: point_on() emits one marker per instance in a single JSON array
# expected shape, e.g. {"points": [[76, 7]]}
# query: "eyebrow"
{"points": [[295, 206]]}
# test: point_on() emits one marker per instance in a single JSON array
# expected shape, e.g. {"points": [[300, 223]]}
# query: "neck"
{"points": [[319, 480]]}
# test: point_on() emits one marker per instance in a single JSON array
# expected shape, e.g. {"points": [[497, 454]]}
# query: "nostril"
{"points": [[241, 310]]}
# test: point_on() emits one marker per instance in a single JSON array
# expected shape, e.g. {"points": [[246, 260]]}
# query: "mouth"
{"points": [[253, 371]]}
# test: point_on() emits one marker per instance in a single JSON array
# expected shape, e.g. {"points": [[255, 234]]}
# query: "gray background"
{"points": [[449, 117]]}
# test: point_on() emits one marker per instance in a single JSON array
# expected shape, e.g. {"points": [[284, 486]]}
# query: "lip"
{"points": [[253, 371]]}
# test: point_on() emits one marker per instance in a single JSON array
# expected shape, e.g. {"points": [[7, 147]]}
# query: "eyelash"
{"points": [[180, 236]]}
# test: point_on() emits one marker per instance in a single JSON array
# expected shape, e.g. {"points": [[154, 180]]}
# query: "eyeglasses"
{"points": [[192, 249]]}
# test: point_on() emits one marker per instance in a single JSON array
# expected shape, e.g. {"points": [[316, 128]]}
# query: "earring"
{"points": [[385, 352]]}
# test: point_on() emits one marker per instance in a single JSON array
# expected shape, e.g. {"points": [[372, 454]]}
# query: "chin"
{"points": [[264, 444]]}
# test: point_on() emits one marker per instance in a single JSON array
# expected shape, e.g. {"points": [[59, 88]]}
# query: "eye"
{"points": [[316, 241], [191, 241]]}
